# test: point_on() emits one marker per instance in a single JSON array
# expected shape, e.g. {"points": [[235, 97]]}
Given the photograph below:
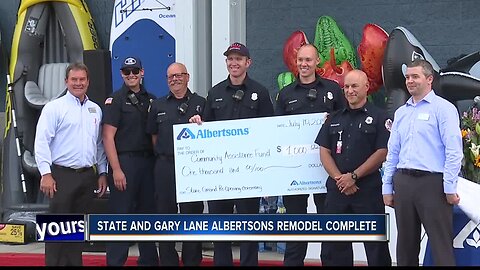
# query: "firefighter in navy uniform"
{"points": [[175, 108], [353, 146], [130, 155], [237, 97], [308, 94]]}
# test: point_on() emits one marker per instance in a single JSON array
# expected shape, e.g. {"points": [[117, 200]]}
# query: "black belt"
{"points": [[79, 170], [165, 157], [137, 153], [416, 173]]}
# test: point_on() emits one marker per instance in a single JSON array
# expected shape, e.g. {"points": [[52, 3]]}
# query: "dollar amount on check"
{"points": [[244, 158]]}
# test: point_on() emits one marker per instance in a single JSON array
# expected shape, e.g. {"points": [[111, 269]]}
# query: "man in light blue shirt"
{"points": [[70, 157], [421, 172]]}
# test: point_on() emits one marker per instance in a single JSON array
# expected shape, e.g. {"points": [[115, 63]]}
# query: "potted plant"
{"points": [[468, 186], [471, 145]]}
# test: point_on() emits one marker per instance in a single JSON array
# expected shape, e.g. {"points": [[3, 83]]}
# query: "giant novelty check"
{"points": [[243, 158]]}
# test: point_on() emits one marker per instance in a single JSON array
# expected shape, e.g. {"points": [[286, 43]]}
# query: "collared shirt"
{"points": [[129, 118], [425, 136], [69, 134], [221, 105], [165, 113], [353, 135], [325, 96]]}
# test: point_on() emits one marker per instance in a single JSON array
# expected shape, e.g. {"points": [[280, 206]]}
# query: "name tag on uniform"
{"points": [[92, 110], [423, 116]]}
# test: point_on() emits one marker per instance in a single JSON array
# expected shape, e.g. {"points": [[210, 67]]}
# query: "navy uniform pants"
{"points": [[166, 203], [136, 199], [295, 252], [222, 251], [367, 200]]}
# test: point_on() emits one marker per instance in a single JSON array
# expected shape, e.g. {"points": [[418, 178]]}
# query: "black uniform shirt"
{"points": [[327, 96], [165, 113], [363, 132], [129, 119], [221, 105]]}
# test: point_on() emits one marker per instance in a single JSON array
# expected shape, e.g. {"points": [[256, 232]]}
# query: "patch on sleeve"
{"points": [[388, 124], [108, 101]]}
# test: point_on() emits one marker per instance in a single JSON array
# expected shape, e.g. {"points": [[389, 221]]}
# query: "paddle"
{"points": [[15, 129]]}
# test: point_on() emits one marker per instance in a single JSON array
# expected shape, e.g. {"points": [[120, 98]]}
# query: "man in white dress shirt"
{"points": [[70, 157]]}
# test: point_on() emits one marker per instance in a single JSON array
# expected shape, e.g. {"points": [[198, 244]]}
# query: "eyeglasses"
{"points": [[128, 71], [177, 75]]}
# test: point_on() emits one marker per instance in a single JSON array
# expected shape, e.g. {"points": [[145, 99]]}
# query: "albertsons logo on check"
{"points": [[186, 133]]}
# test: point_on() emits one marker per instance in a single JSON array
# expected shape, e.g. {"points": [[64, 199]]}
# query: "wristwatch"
{"points": [[354, 176]]}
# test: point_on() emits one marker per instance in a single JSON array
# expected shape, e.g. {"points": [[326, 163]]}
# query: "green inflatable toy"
{"points": [[328, 35]]}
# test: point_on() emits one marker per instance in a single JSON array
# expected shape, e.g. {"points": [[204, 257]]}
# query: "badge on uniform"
{"points": [[254, 96], [369, 120], [339, 147], [92, 110], [329, 95], [108, 101], [339, 143]]}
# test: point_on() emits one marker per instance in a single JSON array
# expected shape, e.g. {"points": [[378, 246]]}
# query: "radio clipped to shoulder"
{"points": [[182, 108], [312, 94], [238, 96], [133, 99]]}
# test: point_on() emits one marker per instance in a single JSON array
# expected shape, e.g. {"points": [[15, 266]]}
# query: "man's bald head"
{"points": [[177, 66], [359, 75], [356, 88]]}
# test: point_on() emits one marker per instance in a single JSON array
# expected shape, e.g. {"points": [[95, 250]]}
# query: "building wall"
{"points": [[446, 28]]}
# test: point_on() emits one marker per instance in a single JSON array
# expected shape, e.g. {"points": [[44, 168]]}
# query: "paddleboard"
{"points": [[145, 29]]}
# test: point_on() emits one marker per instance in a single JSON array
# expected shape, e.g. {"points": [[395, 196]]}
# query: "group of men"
{"points": [[75, 140]]}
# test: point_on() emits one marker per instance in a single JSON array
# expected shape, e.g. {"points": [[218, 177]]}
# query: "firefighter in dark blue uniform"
{"points": [[237, 97], [130, 155], [353, 146], [175, 108], [308, 94]]}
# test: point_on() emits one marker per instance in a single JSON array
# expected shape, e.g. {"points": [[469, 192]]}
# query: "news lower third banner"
{"points": [[209, 227], [267, 156]]}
